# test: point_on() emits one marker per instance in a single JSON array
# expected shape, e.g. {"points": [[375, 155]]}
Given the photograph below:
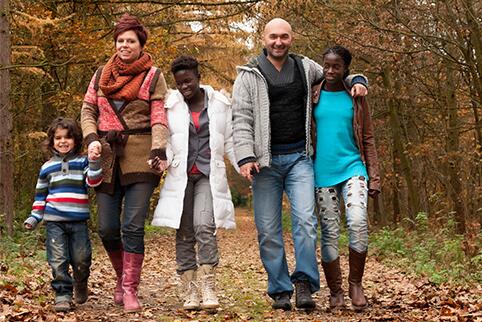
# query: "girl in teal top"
{"points": [[345, 161]]}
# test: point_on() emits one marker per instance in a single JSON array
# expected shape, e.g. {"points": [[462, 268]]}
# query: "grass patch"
{"points": [[159, 231], [20, 255], [438, 255]]}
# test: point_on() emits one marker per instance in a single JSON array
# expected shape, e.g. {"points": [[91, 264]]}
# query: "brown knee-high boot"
{"points": [[357, 267], [333, 279]]}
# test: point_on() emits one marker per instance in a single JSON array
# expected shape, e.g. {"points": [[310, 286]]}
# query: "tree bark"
{"points": [[398, 146], [455, 189], [6, 146]]}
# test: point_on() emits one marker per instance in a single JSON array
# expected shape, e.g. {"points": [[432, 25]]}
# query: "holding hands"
{"points": [[157, 164], [94, 150], [248, 169]]}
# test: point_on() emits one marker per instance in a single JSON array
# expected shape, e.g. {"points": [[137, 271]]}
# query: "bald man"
{"points": [[272, 110]]}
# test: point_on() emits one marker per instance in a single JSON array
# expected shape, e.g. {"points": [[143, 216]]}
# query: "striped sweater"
{"points": [[61, 191]]}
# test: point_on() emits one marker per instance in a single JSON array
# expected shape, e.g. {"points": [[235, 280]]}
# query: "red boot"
{"points": [[116, 260], [130, 281]]}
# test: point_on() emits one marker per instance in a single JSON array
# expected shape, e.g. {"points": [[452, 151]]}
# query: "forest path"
{"points": [[392, 295]]}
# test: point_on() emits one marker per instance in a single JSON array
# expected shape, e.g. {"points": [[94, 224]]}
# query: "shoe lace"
{"points": [[302, 288], [191, 291], [209, 286]]}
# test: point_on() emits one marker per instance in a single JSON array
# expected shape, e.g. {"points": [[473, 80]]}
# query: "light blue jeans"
{"points": [[292, 173], [355, 196]]}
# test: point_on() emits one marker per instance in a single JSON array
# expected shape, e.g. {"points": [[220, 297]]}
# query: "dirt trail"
{"points": [[392, 295]]}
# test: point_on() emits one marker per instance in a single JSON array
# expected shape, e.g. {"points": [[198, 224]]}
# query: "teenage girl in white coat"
{"points": [[195, 198]]}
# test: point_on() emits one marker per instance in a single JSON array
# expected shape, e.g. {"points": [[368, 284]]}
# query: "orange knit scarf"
{"points": [[122, 81]]}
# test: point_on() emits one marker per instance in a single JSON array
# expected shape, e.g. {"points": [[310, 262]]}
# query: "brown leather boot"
{"points": [[333, 279], [116, 260], [130, 281], [357, 267]]}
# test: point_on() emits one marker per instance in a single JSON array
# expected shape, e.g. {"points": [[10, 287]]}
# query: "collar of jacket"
{"points": [[252, 66], [57, 156], [175, 97], [253, 61]]}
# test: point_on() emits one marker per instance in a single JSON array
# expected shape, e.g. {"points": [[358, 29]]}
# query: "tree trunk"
{"points": [[398, 146], [397, 212], [6, 146], [455, 190]]}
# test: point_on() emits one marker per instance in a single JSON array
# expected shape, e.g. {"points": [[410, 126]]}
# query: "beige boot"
{"points": [[191, 297], [208, 288]]}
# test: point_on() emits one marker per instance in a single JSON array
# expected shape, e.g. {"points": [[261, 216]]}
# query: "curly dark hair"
{"points": [[185, 62], [344, 53], [129, 22], [73, 130]]}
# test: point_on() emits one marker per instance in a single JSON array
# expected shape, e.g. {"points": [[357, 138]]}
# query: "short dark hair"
{"points": [[129, 22], [343, 52], [185, 62], [73, 130]]}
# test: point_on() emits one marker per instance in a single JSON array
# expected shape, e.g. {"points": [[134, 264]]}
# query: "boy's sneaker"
{"points": [[282, 301], [63, 306], [81, 292]]}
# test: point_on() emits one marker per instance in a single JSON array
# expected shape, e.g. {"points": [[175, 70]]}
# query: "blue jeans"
{"points": [[67, 244], [355, 195], [136, 199], [292, 173]]}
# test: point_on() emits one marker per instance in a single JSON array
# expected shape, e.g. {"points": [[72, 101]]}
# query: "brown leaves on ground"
{"points": [[392, 295]]}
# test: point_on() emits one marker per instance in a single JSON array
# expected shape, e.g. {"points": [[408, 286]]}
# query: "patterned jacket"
{"points": [[141, 122]]}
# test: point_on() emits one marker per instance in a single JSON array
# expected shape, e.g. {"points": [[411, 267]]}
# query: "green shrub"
{"points": [[437, 254]]}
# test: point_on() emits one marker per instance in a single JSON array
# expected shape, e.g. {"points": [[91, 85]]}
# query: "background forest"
{"points": [[423, 60]]}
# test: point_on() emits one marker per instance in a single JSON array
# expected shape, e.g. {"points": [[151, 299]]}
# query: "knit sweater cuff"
{"points": [[95, 165], [359, 80], [246, 160], [161, 153], [91, 138], [32, 221]]}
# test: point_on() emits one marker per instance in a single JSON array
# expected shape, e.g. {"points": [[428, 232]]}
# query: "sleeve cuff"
{"points": [[32, 221], [95, 164], [246, 160], [359, 80], [90, 138], [160, 153]]}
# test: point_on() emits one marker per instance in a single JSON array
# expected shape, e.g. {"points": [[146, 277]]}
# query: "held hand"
{"points": [[315, 93], [248, 169], [373, 193], [157, 164], [359, 90], [94, 150]]}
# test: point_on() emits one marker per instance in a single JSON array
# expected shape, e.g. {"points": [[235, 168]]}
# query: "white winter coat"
{"points": [[169, 209]]}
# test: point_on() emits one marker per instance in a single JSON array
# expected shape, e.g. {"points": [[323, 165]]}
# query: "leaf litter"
{"points": [[241, 280]]}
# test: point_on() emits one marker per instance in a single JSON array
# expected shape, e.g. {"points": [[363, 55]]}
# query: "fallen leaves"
{"points": [[393, 295]]}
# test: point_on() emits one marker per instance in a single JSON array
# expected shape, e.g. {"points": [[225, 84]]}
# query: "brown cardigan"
{"points": [[142, 123], [363, 131]]}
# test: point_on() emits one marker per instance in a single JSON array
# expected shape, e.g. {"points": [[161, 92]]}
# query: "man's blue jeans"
{"points": [[292, 173], [67, 244]]}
